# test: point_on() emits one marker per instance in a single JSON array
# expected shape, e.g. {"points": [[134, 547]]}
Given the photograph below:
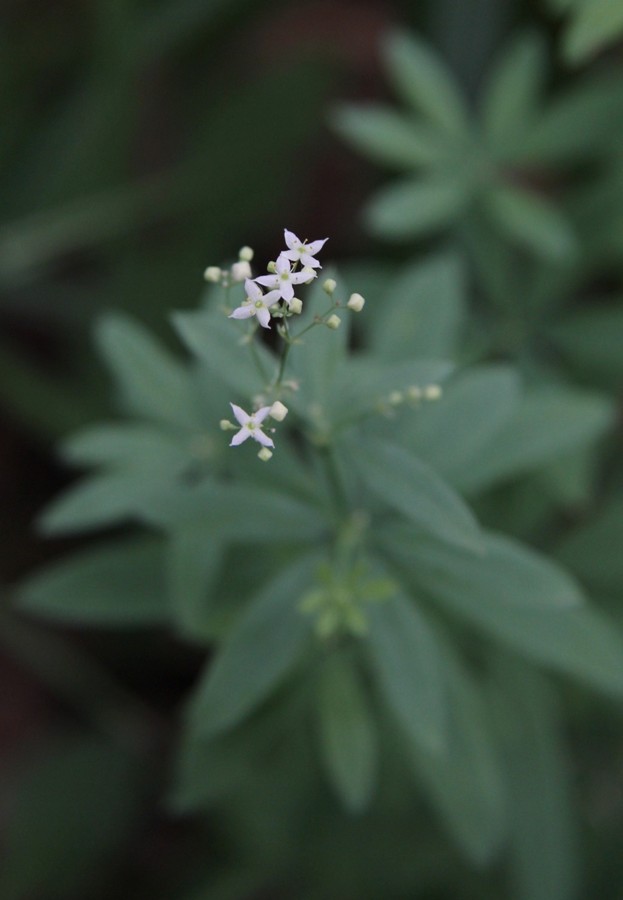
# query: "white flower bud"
{"points": [[213, 274], [271, 267], [278, 411], [241, 270], [333, 322], [226, 425], [265, 454], [245, 254], [395, 398], [355, 302], [432, 392], [414, 393], [296, 306], [329, 286]]}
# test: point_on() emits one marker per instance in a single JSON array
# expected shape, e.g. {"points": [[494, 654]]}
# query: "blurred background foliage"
{"points": [[144, 140]]}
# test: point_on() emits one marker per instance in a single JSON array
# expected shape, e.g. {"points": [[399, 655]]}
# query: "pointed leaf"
{"points": [[388, 137], [531, 221], [417, 207]]}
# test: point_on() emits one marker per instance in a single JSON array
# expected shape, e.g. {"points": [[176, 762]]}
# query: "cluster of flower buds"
{"points": [[238, 272]]}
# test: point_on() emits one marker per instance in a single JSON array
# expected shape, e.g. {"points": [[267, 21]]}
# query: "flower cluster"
{"points": [[273, 296]]}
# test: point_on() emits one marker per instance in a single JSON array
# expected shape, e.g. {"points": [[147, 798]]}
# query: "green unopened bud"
{"points": [[333, 322], [245, 254], [265, 454], [278, 411], [296, 306], [213, 274], [271, 267], [396, 398], [355, 302], [414, 393], [226, 425], [432, 392], [329, 286]]}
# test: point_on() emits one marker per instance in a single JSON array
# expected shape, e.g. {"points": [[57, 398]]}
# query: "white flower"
{"points": [[301, 251], [284, 278], [250, 426], [257, 304]]}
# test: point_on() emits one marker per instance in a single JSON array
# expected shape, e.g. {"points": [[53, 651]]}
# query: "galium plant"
{"points": [[368, 634]]}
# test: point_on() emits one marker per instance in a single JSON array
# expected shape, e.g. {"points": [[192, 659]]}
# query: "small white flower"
{"points": [[355, 302], [245, 254], [213, 274], [329, 286], [283, 279], [257, 304], [250, 426], [241, 270], [301, 251]]}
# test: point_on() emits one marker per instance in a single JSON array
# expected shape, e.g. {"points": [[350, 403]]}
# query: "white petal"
{"points": [[316, 246], [283, 264], [260, 415], [243, 312], [262, 438], [240, 414], [287, 291], [252, 291], [270, 281], [271, 298], [292, 242], [308, 260], [263, 316], [300, 277], [240, 437]]}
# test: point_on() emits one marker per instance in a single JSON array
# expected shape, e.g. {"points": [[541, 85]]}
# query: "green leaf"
{"points": [[192, 560], [465, 783], [577, 125], [518, 597], [219, 343], [595, 23], [407, 665], [550, 422], [99, 501], [74, 809], [421, 78], [593, 551], [414, 208], [423, 310], [388, 137], [263, 646], [236, 512], [511, 100], [591, 340], [118, 583], [452, 433], [127, 447], [543, 851], [412, 488], [532, 221], [151, 384], [347, 732]]}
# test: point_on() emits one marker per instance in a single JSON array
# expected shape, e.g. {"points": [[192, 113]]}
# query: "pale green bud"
{"points": [[245, 254], [329, 286], [333, 322], [355, 302], [396, 398], [213, 274], [278, 411], [265, 454], [271, 268], [296, 306], [414, 393], [432, 392], [226, 425], [241, 270]]}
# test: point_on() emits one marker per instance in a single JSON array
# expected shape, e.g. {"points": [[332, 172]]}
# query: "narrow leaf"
{"points": [[416, 207], [388, 137], [531, 221]]}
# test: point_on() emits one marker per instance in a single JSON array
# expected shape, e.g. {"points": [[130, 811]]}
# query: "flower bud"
{"points": [[432, 392], [213, 274], [395, 398], [278, 411], [333, 322], [355, 302], [296, 306], [329, 286], [271, 268], [226, 425], [265, 454], [241, 270], [311, 273], [245, 254], [414, 393]]}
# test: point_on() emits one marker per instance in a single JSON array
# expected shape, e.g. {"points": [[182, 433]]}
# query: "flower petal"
{"points": [[315, 246], [283, 264], [262, 438], [287, 291], [240, 437], [252, 291], [271, 298], [271, 281], [308, 260], [260, 415], [263, 316], [240, 414], [292, 242], [242, 312]]}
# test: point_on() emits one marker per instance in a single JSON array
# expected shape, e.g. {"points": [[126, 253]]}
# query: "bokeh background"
{"points": [[143, 140]]}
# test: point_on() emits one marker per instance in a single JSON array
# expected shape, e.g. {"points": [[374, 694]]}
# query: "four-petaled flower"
{"points": [[257, 304], [283, 279], [301, 251], [250, 426]]}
